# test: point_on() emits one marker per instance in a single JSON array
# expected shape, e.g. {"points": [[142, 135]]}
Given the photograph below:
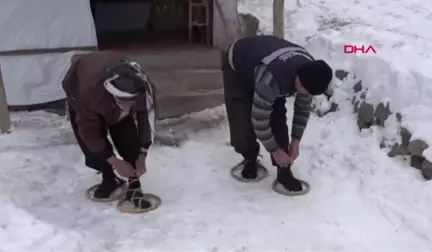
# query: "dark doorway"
{"points": [[135, 24]]}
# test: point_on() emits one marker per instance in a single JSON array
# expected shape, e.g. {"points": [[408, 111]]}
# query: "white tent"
{"points": [[34, 26]]}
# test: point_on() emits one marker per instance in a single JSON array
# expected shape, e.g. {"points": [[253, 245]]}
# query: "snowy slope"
{"points": [[360, 198], [400, 72]]}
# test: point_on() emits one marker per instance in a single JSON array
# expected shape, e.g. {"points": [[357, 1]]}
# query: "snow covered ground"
{"points": [[360, 198]]}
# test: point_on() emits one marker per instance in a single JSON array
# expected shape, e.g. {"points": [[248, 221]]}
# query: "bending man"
{"points": [[259, 73]]}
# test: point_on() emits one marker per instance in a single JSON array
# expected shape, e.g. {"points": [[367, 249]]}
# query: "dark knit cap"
{"points": [[316, 77]]}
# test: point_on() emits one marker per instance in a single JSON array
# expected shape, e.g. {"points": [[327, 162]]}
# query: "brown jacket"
{"points": [[96, 108]]}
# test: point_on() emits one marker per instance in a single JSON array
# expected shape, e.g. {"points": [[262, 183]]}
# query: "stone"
{"points": [[427, 170], [333, 108], [358, 87], [417, 162], [356, 106], [387, 107], [249, 25], [341, 74], [382, 113], [405, 135], [399, 117], [398, 150], [363, 96], [417, 146], [365, 115], [383, 144]]}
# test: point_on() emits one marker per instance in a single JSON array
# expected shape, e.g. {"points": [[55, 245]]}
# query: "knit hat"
{"points": [[316, 77], [125, 80]]}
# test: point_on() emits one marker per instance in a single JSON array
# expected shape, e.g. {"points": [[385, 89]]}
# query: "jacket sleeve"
{"points": [[90, 131], [302, 109], [146, 118], [266, 92]]}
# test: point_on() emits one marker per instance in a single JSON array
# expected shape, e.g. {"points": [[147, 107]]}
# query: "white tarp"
{"points": [[34, 24], [41, 24], [34, 79]]}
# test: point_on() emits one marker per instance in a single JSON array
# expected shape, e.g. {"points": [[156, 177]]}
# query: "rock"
{"points": [[416, 147], [248, 25], [363, 96], [358, 87], [399, 117], [398, 150], [341, 74], [382, 113], [333, 108], [383, 144], [365, 115], [417, 162], [405, 135], [388, 107], [356, 106], [427, 170]]}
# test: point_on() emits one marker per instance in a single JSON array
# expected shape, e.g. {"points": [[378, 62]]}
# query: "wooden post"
{"points": [[229, 36], [278, 18], [5, 121]]}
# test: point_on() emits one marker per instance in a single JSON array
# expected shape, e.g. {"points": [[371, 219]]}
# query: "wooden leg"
{"points": [[190, 24], [190, 34], [208, 28]]}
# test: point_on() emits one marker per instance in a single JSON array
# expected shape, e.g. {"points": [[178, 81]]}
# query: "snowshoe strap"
{"points": [[135, 195]]}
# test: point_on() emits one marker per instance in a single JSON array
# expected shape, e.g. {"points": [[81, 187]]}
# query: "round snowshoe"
{"points": [[236, 172], [279, 188], [112, 194]]}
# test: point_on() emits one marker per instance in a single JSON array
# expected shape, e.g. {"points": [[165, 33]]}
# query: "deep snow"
{"points": [[360, 198]]}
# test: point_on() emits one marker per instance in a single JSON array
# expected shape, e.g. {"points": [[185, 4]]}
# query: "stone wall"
{"points": [[369, 114]]}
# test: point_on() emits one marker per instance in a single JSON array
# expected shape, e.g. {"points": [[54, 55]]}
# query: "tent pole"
{"points": [[278, 18], [5, 121]]}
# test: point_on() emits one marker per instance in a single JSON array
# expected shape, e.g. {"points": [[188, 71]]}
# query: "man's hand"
{"points": [[140, 165], [122, 167], [294, 149], [282, 158]]}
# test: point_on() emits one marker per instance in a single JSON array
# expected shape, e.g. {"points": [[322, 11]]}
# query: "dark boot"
{"points": [[287, 179], [135, 195], [110, 183], [250, 169]]}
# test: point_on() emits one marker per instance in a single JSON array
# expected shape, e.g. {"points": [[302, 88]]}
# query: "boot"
{"points": [[287, 179], [109, 184], [135, 195], [250, 169]]}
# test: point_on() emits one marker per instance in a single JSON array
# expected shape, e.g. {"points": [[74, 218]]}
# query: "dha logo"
{"points": [[354, 49]]}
